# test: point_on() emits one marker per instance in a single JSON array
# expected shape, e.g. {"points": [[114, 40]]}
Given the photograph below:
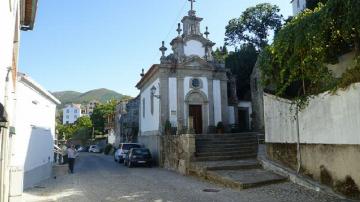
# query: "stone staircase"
{"points": [[215, 147], [231, 160]]}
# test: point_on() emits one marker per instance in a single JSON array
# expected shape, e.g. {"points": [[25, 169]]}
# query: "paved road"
{"points": [[98, 178]]}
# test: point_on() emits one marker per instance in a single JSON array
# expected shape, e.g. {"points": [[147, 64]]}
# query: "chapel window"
{"points": [[152, 104], [143, 102], [195, 83]]}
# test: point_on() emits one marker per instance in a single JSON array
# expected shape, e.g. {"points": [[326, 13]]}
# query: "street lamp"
{"points": [[153, 91]]}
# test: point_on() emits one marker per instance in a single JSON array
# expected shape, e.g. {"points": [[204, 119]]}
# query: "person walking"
{"points": [[64, 149], [71, 152]]}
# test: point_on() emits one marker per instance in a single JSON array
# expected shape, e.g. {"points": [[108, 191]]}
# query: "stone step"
{"points": [[227, 135], [224, 157], [209, 141], [227, 145], [225, 153], [235, 166], [244, 179], [220, 148], [226, 165]]}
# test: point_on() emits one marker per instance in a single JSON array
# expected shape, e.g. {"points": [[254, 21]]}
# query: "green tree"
{"points": [[221, 53], [65, 131], [241, 63], [254, 25], [84, 122], [100, 113]]}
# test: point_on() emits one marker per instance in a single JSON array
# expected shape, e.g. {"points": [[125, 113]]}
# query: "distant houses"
{"points": [[89, 108], [126, 124], [71, 113]]}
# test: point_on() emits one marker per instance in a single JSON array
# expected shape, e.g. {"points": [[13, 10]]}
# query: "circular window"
{"points": [[195, 83]]}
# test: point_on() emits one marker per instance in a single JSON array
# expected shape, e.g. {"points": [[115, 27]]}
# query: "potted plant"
{"points": [[220, 127]]}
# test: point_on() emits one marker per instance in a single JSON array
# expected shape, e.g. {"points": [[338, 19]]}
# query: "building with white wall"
{"points": [[188, 88], [71, 113], [33, 141], [15, 15], [298, 6]]}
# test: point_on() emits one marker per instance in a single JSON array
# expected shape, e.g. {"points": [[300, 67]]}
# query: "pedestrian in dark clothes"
{"points": [[71, 158]]}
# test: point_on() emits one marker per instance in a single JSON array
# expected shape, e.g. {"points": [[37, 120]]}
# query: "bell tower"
{"points": [[191, 23]]}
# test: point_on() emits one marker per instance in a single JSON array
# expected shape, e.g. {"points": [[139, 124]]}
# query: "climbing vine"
{"points": [[294, 66]]}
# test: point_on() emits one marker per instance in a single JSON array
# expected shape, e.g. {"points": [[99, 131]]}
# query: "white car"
{"points": [[94, 149], [124, 148]]}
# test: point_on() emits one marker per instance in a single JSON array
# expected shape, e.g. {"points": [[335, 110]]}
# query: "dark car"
{"points": [[138, 156], [124, 148]]}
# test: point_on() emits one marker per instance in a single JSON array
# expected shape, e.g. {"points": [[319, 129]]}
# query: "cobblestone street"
{"points": [[99, 178]]}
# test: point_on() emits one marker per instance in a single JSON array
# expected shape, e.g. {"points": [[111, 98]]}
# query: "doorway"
{"points": [[243, 114], [195, 111]]}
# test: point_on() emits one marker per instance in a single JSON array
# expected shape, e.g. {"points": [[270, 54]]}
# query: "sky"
{"points": [[82, 45]]}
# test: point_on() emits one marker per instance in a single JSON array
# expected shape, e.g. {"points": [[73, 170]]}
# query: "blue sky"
{"points": [[81, 45]]}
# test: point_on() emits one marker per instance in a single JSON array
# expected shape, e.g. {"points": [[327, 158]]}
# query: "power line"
{"points": [[173, 25]]}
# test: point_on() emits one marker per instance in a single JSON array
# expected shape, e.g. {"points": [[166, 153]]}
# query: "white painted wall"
{"points": [[71, 113], [9, 33], [298, 6], [231, 112], [193, 47], [173, 101], [111, 137], [217, 101], [151, 121], [246, 104], [328, 119], [35, 128]]}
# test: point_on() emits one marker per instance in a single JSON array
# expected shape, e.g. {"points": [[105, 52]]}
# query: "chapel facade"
{"points": [[188, 87]]}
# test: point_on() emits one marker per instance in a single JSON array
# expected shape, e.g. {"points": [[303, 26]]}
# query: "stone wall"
{"points": [[257, 92], [177, 152], [336, 166], [328, 133]]}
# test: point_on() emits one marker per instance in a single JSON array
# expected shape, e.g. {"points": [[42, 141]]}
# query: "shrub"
{"points": [[294, 65]]}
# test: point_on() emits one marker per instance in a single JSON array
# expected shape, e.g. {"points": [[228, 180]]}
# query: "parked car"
{"points": [[124, 148], [82, 149], [94, 149], [138, 156]]}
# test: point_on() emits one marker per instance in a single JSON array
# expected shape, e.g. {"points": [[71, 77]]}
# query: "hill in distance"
{"points": [[102, 95]]}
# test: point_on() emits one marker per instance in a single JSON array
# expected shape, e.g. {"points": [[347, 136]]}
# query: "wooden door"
{"points": [[195, 111]]}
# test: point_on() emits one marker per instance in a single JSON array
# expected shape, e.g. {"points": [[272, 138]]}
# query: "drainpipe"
{"points": [[298, 151], [4, 144]]}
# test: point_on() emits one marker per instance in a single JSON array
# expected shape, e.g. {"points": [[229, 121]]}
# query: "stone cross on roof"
{"points": [[192, 4], [192, 12]]}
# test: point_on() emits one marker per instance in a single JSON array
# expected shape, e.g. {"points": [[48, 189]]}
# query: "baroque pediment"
{"points": [[195, 61]]}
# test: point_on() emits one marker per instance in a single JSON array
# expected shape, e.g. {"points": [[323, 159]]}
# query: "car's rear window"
{"points": [[129, 146], [141, 152]]}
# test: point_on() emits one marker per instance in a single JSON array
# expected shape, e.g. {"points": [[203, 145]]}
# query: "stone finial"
{"points": [[142, 73], [179, 29], [207, 32], [163, 50]]}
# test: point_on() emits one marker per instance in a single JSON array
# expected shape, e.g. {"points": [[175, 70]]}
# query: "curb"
{"points": [[299, 179]]}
